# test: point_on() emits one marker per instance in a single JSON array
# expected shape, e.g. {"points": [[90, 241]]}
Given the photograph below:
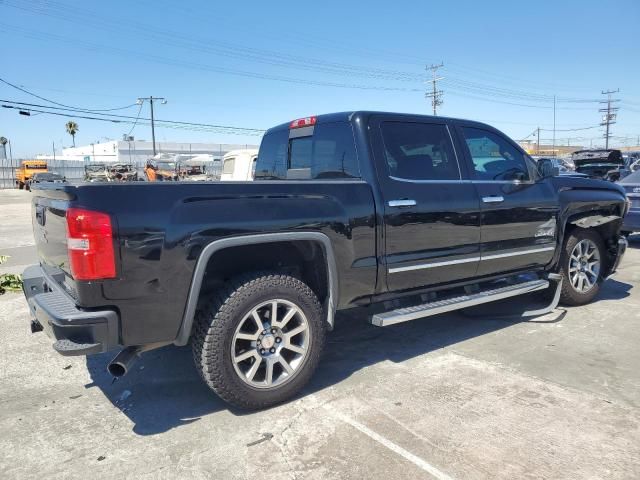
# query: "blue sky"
{"points": [[257, 64]]}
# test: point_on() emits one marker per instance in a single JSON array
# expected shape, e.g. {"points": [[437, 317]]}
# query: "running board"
{"points": [[464, 301]]}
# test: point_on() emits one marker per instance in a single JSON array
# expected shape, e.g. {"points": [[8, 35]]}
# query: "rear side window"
{"points": [[329, 153], [419, 151]]}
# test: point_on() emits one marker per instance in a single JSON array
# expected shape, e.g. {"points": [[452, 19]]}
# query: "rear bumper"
{"points": [[74, 331]]}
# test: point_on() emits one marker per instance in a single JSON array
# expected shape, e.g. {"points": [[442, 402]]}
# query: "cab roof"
{"points": [[364, 114]]}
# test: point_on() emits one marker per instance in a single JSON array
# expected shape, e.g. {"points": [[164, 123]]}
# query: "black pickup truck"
{"points": [[411, 215]]}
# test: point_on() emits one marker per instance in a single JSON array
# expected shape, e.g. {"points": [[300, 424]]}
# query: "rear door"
{"points": [[431, 212], [519, 210]]}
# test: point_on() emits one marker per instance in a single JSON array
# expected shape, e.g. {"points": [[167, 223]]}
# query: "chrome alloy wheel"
{"points": [[270, 344], [584, 265]]}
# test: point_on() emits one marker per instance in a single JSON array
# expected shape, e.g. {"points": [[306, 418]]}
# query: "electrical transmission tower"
{"points": [[609, 117], [435, 95]]}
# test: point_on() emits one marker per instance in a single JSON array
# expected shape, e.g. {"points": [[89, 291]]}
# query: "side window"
{"points": [[329, 153], [229, 165], [419, 151], [494, 157]]}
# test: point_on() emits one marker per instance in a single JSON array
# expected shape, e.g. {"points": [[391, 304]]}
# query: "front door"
{"points": [[519, 210], [431, 213]]}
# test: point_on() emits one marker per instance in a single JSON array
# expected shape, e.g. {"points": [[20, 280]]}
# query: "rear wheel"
{"points": [[258, 343], [582, 264]]}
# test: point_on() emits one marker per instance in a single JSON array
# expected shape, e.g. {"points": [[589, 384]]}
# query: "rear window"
{"points": [[327, 154]]}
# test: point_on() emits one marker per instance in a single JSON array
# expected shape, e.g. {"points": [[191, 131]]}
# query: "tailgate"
{"points": [[48, 209]]}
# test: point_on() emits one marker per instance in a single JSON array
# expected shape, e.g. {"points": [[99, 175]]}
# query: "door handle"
{"points": [[405, 202], [496, 199]]}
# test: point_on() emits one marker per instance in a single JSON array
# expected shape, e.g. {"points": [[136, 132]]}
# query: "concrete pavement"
{"points": [[448, 397]]}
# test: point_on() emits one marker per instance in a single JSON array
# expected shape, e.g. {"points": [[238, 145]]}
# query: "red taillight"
{"points": [[90, 244], [303, 122]]}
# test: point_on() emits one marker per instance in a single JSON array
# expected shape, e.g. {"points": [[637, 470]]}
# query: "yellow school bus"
{"points": [[27, 169]]}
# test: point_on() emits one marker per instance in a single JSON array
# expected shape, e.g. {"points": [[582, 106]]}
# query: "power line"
{"points": [[215, 46], [71, 113], [136, 120], [62, 104]]}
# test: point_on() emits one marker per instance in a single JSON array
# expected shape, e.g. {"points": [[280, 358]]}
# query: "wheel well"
{"points": [[303, 259], [608, 232]]}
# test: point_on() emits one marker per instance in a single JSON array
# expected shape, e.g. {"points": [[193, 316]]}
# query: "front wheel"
{"points": [[582, 264], [257, 343]]}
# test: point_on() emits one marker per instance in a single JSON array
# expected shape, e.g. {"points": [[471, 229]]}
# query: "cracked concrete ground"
{"points": [[448, 397]]}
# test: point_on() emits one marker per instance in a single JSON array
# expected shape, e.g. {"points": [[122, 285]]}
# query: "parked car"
{"points": [[563, 165], [110, 172], [96, 172], [631, 185], [196, 168], [600, 163], [239, 165], [412, 214], [123, 172], [42, 177]]}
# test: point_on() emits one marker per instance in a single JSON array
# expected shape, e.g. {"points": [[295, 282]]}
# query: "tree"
{"points": [[72, 129]]}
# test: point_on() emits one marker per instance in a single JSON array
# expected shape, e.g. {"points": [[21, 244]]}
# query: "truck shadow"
{"points": [[163, 390]]}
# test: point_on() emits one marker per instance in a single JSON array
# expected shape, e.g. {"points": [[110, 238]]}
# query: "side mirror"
{"points": [[547, 169]]}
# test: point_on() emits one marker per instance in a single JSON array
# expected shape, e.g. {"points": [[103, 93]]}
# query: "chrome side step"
{"points": [[441, 306]]}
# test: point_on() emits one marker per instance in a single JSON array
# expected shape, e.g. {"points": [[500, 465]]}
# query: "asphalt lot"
{"points": [[453, 396]]}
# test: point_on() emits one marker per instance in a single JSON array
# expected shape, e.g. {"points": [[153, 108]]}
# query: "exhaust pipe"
{"points": [[122, 363]]}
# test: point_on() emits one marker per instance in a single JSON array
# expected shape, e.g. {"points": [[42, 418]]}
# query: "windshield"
{"points": [[167, 165]]}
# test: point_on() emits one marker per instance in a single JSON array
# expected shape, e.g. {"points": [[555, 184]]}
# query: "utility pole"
{"points": [[538, 142], [435, 95], [554, 126], [609, 117], [163, 101], [3, 142]]}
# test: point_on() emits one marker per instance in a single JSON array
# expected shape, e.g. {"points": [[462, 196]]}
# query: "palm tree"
{"points": [[72, 129]]}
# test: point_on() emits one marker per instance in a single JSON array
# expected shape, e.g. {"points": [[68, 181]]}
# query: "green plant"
{"points": [[9, 282], [72, 129]]}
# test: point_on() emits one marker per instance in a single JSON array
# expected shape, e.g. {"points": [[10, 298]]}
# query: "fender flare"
{"points": [[196, 282]]}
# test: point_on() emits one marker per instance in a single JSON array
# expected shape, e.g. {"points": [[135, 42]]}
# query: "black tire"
{"points": [[20, 186], [570, 295], [216, 323]]}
